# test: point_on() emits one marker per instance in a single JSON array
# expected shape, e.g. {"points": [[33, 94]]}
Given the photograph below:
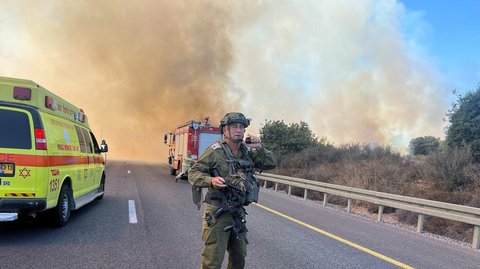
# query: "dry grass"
{"points": [[448, 176]]}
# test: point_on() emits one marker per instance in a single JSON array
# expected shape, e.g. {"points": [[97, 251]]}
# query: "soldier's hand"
{"points": [[218, 182], [255, 142]]}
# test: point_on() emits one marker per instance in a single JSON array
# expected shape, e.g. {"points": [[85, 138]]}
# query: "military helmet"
{"points": [[234, 117]]}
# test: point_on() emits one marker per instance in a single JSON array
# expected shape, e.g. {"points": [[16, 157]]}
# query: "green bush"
{"points": [[283, 139], [424, 145], [464, 118]]}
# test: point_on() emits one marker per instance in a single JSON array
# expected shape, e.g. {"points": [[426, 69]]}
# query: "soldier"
{"points": [[226, 169], [187, 162]]}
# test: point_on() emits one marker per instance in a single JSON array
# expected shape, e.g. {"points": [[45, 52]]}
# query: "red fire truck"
{"points": [[192, 136]]}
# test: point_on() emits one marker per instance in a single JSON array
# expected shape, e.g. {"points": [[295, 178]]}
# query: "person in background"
{"points": [[187, 162]]}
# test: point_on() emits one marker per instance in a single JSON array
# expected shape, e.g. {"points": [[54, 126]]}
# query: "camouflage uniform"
{"points": [[186, 164], [217, 241]]}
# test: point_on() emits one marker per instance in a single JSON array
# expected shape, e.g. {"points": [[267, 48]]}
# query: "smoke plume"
{"points": [[138, 69], [354, 70]]}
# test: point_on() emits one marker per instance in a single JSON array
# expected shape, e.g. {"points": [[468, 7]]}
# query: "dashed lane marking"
{"points": [[132, 213]]}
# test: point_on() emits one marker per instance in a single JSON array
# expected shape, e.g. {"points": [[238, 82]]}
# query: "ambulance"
{"points": [[190, 136], [49, 158]]}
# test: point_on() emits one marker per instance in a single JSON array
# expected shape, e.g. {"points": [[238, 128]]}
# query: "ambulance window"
{"points": [[96, 148], [88, 140], [81, 140], [15, 128]]}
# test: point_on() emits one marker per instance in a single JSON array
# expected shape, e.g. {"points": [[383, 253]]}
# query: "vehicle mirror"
{"points": [[103, 146]]}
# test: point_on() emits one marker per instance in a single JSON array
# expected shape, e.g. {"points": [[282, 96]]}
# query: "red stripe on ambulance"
{"points": [[44, 161]]}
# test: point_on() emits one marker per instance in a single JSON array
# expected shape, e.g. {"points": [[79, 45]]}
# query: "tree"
{"points": [[282, 138], [424, 145], [464, 118]]}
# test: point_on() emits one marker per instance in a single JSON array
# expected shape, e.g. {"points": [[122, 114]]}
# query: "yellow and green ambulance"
{"points": [[49, 157]]}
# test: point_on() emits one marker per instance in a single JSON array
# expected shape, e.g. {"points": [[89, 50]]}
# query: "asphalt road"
{"points": [[168, 233]]}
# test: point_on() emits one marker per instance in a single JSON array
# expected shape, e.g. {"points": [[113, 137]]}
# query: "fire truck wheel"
{"points": [[173, 171], [61, 213]]}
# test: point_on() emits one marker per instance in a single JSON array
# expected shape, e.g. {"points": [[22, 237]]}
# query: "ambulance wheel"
{"points": [[102, 188], [61, 213], [173, 171]]}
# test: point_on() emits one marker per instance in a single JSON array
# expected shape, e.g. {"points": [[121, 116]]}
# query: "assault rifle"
{"points": [[231, 200]]}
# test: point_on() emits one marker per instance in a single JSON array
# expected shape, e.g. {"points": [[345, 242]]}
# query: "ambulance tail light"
{"points": [[40, 141]]}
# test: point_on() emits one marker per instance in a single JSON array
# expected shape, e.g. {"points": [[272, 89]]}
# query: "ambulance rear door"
{"points": [[18, 168]]}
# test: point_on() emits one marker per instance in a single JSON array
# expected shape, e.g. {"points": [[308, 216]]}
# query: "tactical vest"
{"points": [[241, 176]]}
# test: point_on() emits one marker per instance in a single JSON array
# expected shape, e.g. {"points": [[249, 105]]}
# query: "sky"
{"points": [[451, 36], [363, 71]]}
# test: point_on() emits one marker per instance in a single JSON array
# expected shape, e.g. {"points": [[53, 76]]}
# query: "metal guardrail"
{"points": [[466, 214]]}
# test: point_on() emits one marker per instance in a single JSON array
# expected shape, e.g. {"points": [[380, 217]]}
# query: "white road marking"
{"points": [[132, 213]]}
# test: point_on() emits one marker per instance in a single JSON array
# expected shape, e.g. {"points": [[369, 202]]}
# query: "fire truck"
{"points": [[192, 136]]}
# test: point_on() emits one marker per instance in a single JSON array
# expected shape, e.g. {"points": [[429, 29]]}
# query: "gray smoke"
{"points": [[138, 69]]}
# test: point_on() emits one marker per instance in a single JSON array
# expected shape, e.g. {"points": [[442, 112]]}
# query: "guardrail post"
{"points": [[421, 217], [289, 189], [305, 195], [265, 184], [380, 213], [325, 199], [476, 237], [349, 206], [276, 186]]}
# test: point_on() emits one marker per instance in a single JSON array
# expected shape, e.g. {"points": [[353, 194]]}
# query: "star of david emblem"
{"points": [[24, 172]]}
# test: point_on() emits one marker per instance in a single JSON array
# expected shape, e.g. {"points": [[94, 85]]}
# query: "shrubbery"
{"points": [[424, 145], [464, 119], [447, 171], [282, 138], [449, 175]]}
